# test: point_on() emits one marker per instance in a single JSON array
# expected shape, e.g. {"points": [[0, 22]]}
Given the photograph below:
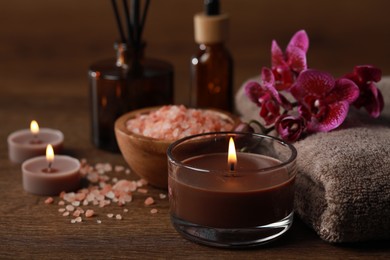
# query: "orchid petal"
{"points": [[337, 112], [368, 73], [269, 112], [290, 128], [277, 55], [253, 91], [297, 59], [297, 91], [299, 40], [315, 82], [268, 82], [344, 90], [267, 77], [284, 78], [376, 103]]}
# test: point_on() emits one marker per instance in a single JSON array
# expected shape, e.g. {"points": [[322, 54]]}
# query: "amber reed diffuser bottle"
{"points": [[212, 65], [129, 81]]}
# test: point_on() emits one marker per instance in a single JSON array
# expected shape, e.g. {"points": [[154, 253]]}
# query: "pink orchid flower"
{"points": [[324, 100], [266, 96], [290, 128], [370, 96], [286, 67]]}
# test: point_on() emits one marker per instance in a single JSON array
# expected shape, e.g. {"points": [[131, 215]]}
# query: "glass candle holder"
{"points": [[216, 203]]}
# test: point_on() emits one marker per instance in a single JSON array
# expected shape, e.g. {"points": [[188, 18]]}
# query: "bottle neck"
{"points": [[121, 55], [214, 47], [129, 59], [217, 45]]}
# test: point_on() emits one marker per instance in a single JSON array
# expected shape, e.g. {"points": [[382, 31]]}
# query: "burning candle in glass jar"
{"points": [[28, 143], [231, 199], [51, 174]]}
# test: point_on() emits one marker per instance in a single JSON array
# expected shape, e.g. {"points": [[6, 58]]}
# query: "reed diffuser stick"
{"points": [[135, 22], [118, 21], [143, 19], [131, 40], [135, 16]]}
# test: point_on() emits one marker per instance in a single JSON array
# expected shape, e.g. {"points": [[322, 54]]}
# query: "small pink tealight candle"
{"points": [[50, 175], [28, 143]]}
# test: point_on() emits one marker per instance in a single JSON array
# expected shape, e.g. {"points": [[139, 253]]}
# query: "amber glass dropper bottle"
{"points": [[212, 65]]}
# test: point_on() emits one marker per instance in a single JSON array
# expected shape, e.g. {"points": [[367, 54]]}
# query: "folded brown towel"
{"points": [[343, 181]]}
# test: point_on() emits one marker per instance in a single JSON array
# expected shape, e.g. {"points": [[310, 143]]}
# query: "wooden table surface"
{"points": [[45, 50]]}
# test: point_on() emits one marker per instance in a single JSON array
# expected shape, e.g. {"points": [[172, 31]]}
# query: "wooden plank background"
{"points": [[59, 39]]}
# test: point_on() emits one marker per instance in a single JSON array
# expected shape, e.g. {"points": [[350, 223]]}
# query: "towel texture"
{"points": [[343, 181]]}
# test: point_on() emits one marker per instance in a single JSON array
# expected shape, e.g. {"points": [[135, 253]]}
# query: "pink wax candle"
{"points": [[28, 143], [50, 175]]}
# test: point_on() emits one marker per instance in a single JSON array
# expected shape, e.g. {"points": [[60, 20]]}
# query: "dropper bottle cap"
{"points": [[211, 26]]}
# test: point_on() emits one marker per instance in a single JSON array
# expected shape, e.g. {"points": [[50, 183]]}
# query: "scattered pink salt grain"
{"points": [[69, 208], [76, 203], [153, 211], [98, 221], [162, 196], [119, 168], [149, 201], [69, 197], [49, 200], [76, 220], [101, 192], [89, 213], [144, 191], [76, 213], [142, 182], [174, 122], [81, 195], [125, 186], [110, 194], [61, 195]]}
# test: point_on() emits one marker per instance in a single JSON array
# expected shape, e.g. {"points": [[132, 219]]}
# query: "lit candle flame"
{"points": [[49, 155], [34, 127], [232, 157]]}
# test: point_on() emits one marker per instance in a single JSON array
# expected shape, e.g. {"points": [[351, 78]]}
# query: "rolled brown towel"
{"points": [[343, 181]]}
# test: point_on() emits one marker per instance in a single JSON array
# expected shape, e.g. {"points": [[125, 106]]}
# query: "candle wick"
{"points": [[35, 139], [232, 167], [49, 167]]}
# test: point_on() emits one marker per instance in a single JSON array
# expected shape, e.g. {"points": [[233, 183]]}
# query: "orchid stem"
{"points": [[263, 129]]}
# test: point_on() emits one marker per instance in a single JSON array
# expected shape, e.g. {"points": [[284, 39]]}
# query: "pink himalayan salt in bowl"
{"points": [[144, 135]]}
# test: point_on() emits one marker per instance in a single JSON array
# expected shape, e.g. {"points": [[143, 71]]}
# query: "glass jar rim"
{"points": [[290, 160]]}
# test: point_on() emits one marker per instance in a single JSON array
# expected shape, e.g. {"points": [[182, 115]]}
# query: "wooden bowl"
{"points": [[147, 156]]}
